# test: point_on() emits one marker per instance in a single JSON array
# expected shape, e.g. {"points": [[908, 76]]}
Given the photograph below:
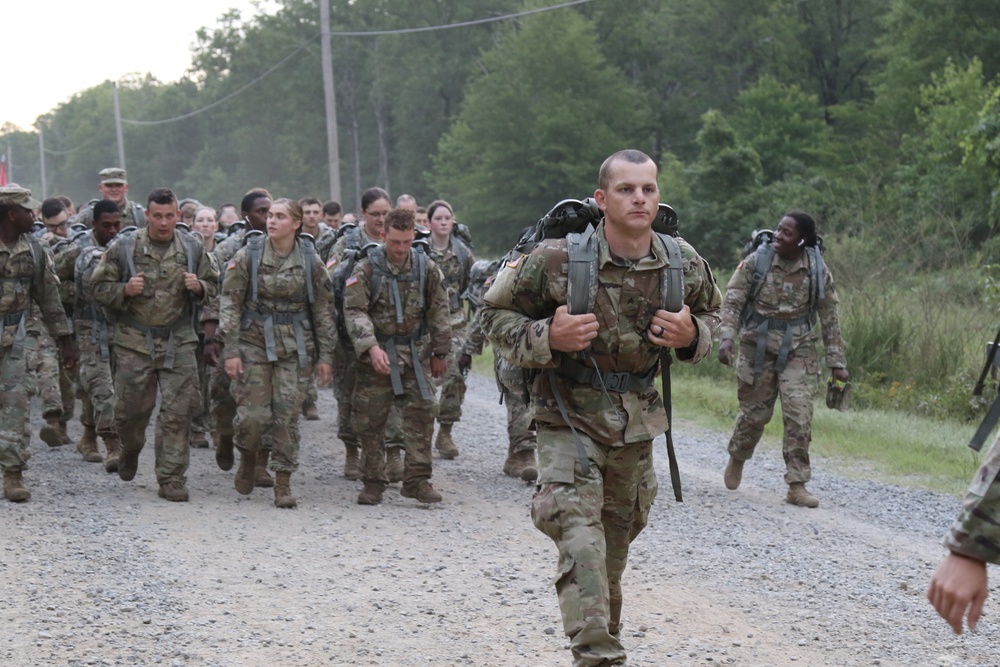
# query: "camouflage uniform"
{"points": [[784, 295], [372, 320], [976, 532], [593, 516], [133, 215], [18, 289], [43, 360], [276, 371], [455, 264], [155, 345]]}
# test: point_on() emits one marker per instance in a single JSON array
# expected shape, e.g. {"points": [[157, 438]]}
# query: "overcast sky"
{"points": [[55, 48]]}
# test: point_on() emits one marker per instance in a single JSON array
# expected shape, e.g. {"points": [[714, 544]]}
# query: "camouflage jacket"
{"points": [[325, 241], [133, 215], [784, 294], [517, 313], [976, 532], [353, 238], [164, 302], [455, 267], [371, 319], [281, 288], [66, 252], [18, 290], [224, 251]]}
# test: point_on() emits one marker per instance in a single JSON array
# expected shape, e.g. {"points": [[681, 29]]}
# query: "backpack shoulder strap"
{"points": [[38, 259], [672, 280], [418, 259], [762, 258], [308, 249], [582, 286], [126, 248], [255, 253]]}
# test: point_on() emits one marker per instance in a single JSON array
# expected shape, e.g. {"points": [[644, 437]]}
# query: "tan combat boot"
{"points": [[521, 464], [114, 447], [244, 481], [261, 477], [283, 491], [394, 464], [309, 411], [445, 445], [422, 491], [14, 489], [128, 464], [370, 495], [198, 440], [50, 434], [797, 495], [734, 474], [352, 463], [175, 492], [224, 451], [88, 446], [63, 435]]}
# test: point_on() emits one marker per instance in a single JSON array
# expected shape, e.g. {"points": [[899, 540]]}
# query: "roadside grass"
{"points": [[892, 447]]}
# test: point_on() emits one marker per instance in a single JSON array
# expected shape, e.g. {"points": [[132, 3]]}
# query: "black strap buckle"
{"points": [[616, 382]]}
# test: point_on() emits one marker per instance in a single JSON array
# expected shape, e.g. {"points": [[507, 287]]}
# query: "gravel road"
{"points": [[96, 571]]}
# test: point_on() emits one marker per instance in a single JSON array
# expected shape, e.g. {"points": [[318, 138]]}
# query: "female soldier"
{"points": [[455, 260], [773, 309], [277, 319]]}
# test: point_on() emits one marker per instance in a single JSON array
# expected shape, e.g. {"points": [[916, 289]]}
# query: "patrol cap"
{"points": [[15, 194], [113, 176]]}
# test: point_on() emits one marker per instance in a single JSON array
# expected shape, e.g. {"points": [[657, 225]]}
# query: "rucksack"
{"points": [[37, 278], [83, 271], [761, 244]]}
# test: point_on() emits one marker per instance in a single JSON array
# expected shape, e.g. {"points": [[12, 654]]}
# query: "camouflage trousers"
{"points": [[201, 413], [370, 410], [16, 384], [138, 375], [796, 385], [592, 519], [268, 399], [97, 382], [223, 405], [520, 435], [452, 386], [344, 377], [43, 360]]}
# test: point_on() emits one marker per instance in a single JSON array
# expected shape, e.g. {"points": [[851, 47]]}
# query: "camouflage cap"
{"points": [[113, 176], [15, 194]]}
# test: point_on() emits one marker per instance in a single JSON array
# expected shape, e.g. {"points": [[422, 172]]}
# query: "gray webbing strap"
{"points": [[270, 346], [418, 369], [673, 291], [582, 460], [395, 300], [17, 348], [167, 332], [786, 326], [394, 377], [101, 329], [300, 344], [582, 277]]}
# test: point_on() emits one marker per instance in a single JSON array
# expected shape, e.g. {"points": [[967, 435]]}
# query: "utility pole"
{"points": [[118, 126], [41, 158], [329, 97]]}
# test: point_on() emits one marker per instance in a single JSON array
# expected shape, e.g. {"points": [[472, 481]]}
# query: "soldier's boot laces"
{"points": [[198, 440], [14, 489], [88, 446], [63, 435], [128, 464], [175, 492], [734, 474], [49, 433], [309, 410], [394, 464], [445, 445], [261, 477], [797, 495], [244, 481], [224, 451], [352, 463], [370, 495], [114, 447], [522, 465], [283, 497], [421, 491]]}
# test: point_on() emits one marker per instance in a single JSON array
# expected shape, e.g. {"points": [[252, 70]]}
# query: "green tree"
{"points": [[535, 126]]}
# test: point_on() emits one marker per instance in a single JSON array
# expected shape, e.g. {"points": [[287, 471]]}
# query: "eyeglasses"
{"points": [[377, 214], [61, 225]]}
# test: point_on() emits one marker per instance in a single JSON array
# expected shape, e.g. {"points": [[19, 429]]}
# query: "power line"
{"points": [[372, 33]]}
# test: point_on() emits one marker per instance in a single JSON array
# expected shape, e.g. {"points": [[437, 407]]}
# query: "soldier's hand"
{"points": [[438, 367], [67, 353], [839, 374], [211, 353], [959, 585], [234, 368], [192, 284], [380, 360], [324, 374], [464, 364], [572, 333], [675, 330], [726, 352], [135, 285]]}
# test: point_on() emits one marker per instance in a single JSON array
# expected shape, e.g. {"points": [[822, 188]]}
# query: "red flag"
{"points": [[3, 170]]}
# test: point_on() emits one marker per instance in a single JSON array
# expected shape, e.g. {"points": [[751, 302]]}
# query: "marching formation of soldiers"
{"points": [[229, 320]]}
